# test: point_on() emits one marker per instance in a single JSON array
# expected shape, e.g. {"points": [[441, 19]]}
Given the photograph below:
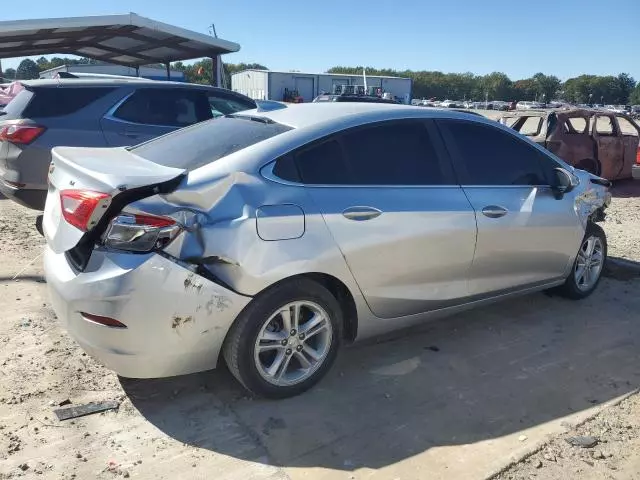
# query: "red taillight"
{"points": [[106, 321], [78, 206], [638, 156], [141, 232], [20, 134], [153, 221]]}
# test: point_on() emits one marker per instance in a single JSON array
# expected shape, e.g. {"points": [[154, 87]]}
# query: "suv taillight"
{"points": [[79, 206], [20, 134], [141, 232], [638, 156]]}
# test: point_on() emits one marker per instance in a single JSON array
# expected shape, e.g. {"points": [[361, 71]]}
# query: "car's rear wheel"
{"points": [[285, 341], [589, 263]]}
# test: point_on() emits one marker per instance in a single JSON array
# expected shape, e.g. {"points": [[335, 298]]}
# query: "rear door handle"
{"points": [[494, 211], [361, 213]]}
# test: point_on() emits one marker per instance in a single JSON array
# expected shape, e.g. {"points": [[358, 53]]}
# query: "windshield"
{"points": [[206, 142]]}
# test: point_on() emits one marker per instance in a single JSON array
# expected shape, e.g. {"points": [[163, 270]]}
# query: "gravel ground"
{"points": [[42, 367]]}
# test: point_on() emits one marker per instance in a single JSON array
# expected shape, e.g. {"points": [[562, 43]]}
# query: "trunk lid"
{"points": [[124, 176]]}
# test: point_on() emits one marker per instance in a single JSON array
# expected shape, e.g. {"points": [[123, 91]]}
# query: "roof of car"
{"points": [[94, 82], [307, 114]]}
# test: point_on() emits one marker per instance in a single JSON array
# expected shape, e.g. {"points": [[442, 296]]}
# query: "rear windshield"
{"points": [[206, 142]]}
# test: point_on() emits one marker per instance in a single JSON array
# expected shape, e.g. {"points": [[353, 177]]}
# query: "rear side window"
{"points": [[176, 107], [576, 125], [57, 102], [206, 142], [384, 154], [485, 155], [323, 164]]}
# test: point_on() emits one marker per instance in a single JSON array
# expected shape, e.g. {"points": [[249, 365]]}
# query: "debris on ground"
{"points": [[584, 442], [86, 409]]}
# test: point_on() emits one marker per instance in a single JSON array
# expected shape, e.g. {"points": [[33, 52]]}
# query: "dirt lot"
{"points": [[461, 398]]}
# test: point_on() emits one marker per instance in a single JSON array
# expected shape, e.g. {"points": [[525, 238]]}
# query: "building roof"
{"points": [[319, 74], [127, 39]]}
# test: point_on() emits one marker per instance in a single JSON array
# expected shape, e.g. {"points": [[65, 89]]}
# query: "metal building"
{"points": [[273, 85], [144, 72]]}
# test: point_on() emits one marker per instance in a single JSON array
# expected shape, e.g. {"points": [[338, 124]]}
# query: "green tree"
{"points": [[27, 70], [626, 84], [10, 73], [547, 86], [634, 97]]}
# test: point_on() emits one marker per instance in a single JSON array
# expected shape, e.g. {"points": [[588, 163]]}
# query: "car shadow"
{"points": [[468, 378], [628, 188]]}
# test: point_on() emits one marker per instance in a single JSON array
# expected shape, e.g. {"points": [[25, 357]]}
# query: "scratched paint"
{"points": [[178, 321]]}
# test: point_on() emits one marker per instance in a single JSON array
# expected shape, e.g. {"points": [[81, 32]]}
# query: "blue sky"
{"points": [[561, 37]]}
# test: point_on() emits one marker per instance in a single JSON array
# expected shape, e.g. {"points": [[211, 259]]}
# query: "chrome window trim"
{"points": [[267, 172]]}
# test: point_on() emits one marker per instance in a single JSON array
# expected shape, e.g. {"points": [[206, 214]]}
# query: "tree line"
{"points": [[620, 90]]}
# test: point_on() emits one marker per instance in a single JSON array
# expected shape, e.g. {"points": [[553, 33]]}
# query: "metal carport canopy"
{"points": [[129, 39]]}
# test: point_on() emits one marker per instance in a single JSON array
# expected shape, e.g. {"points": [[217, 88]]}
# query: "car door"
{"points": [[406, 230], [526, 236], [150, 112], [629, 132], [609, 145]]}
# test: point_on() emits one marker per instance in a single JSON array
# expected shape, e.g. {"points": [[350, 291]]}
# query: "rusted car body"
{"points": [[601, 142]]}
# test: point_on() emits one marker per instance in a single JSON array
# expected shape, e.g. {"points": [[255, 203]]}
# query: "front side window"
{"points": [[176, 107], [393, 153], [485, 155]]}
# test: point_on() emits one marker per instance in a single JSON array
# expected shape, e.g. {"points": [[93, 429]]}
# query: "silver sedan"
{"points": [[270, 237]]}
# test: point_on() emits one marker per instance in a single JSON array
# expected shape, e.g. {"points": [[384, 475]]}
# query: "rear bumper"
{"points": [[27, 197], [635, 172], [176, 320]]}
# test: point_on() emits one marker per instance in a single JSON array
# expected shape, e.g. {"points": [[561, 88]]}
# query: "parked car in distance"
{"points": [[601, 142], [94, 113], [352, 98], [250, 235]]}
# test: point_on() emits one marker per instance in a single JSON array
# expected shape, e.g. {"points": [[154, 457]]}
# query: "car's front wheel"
{"points": [[589, 263], [285, 340]]}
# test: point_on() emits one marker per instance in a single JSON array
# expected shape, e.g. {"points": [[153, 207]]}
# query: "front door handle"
{"points": [[494, 211], [361, 213]]}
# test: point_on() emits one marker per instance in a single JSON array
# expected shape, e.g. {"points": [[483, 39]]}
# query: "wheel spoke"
{"points": [[591, 243], [304, 363], [315, 356], [580, 270], [273, 336], [313, 322], [296, 316], [284, 367], [270, 346], [286, 320], [277, 363]]}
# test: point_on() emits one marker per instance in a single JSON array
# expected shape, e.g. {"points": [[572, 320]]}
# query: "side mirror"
{"points": [[565, 181]]}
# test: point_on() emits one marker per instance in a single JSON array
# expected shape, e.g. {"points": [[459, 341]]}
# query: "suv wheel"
{"points": [[587, 268], [286, 340]]}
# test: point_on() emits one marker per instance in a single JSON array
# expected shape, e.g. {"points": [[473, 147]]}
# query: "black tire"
{"points": [[570, 288], [238, 349]]}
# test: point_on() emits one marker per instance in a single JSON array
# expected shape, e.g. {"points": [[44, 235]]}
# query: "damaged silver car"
{"points": [[271, 238]]}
